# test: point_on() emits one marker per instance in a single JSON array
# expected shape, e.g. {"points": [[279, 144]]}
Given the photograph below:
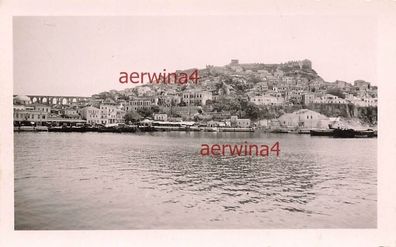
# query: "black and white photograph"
{"points": [[194, 123], [197, 123]]}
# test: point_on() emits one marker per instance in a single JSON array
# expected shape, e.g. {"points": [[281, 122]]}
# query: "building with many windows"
{"points": [[160, 117], [196, 97], [108, 113], [91, 114], [140, 102], [30, 115], [266, 100]]}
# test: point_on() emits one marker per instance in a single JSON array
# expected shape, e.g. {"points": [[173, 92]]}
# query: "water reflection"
{"points": [[159, 180]]}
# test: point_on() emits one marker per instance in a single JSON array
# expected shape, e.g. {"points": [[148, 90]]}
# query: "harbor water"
{"points": [[159, 180]]}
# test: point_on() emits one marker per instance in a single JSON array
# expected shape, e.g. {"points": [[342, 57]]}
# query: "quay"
{"points": [[78, 126]]}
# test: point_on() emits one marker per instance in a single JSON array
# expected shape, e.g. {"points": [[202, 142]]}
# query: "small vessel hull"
{"points": [[325, 132], [351, 133]]}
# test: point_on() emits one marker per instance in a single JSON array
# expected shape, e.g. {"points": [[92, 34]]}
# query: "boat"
{"points": [[364, 133], [55, 129], [41, 128], [77, 129], [26, 128], [230, 129], [30, 128], [351, 133], [322, 132], [110, 128], [304, 131], [66, 129], [90, 128]]}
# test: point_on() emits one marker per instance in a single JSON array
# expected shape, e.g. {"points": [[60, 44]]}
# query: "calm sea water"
{"points": [[160, 181]]}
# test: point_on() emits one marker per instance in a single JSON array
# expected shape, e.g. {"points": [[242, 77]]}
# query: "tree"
{"points": [[155, 109], [132, 116], [252, 111], [145, 112]]}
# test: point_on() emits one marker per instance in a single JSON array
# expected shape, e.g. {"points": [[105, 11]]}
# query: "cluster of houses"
{"points": [[261, 84], [290, 83], [107, 113], [110, 112]]}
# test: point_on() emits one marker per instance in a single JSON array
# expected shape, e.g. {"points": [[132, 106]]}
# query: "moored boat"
{"points": [[304, 131], [55, 129], [230, 129], [351, 133], [364, 133], [26, 128], [41, 128], [322, 132]]}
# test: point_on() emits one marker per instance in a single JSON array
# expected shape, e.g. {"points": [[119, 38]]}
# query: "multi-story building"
{"points": [[308, 98], [239, 122], [120, 116], [243, 123], [71, 112], [288, 79], [160, 117], [29, 114], [141, 102], [266, 100], [196, 97], [295, 96], [364, 101], [108, 113], [330, 99], [169, 100], [91, 114], [261, 86]]}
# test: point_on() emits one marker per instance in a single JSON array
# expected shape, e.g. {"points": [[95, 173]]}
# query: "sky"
{"points": [[81, 56]]}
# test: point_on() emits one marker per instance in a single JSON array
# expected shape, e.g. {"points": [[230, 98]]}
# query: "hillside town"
{"points": [[286, 96]]}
